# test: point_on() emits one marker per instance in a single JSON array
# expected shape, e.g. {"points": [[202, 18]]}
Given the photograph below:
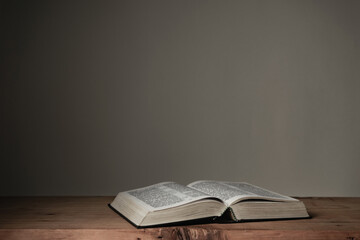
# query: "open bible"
{"points": [[170, 202]]}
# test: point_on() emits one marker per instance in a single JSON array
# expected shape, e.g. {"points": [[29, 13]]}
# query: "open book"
{"points": [[170, 202]]}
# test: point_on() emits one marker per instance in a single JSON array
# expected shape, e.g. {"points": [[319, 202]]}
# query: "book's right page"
{"points": [[232, 192]]}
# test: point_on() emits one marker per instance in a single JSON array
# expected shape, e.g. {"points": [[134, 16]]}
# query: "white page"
{"points": [[166, 195], [230, 192]]}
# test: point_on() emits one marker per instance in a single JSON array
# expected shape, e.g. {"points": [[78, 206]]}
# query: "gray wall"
{"points": [[99, 97]]}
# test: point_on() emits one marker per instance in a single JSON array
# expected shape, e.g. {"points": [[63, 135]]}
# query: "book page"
{"points": [[258, 191], [166, 195], [231, 192]]}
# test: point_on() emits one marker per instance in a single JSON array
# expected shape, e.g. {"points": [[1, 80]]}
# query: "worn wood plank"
{"points": [[90, 218]]}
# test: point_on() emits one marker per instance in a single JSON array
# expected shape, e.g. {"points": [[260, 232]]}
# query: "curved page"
{"points": [[166, 195], [231, 192]]}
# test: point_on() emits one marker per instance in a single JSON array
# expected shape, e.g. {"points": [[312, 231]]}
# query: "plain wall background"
{"points": [[99, 97]]}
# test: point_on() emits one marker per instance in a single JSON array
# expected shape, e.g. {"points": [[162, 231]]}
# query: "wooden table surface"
{"points": [[91, 218]]}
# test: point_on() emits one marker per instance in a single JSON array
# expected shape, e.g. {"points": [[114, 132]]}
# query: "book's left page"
{"points": [[164, 195], [164, 203]]}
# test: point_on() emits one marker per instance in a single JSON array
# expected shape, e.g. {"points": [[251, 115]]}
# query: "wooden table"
{"points": [[90, 218]]}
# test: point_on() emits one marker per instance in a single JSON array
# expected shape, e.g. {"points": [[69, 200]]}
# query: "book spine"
{"points": [[233, 215]]}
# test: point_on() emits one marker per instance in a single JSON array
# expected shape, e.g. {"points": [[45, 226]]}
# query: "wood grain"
{"points": [[90, 218]]}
